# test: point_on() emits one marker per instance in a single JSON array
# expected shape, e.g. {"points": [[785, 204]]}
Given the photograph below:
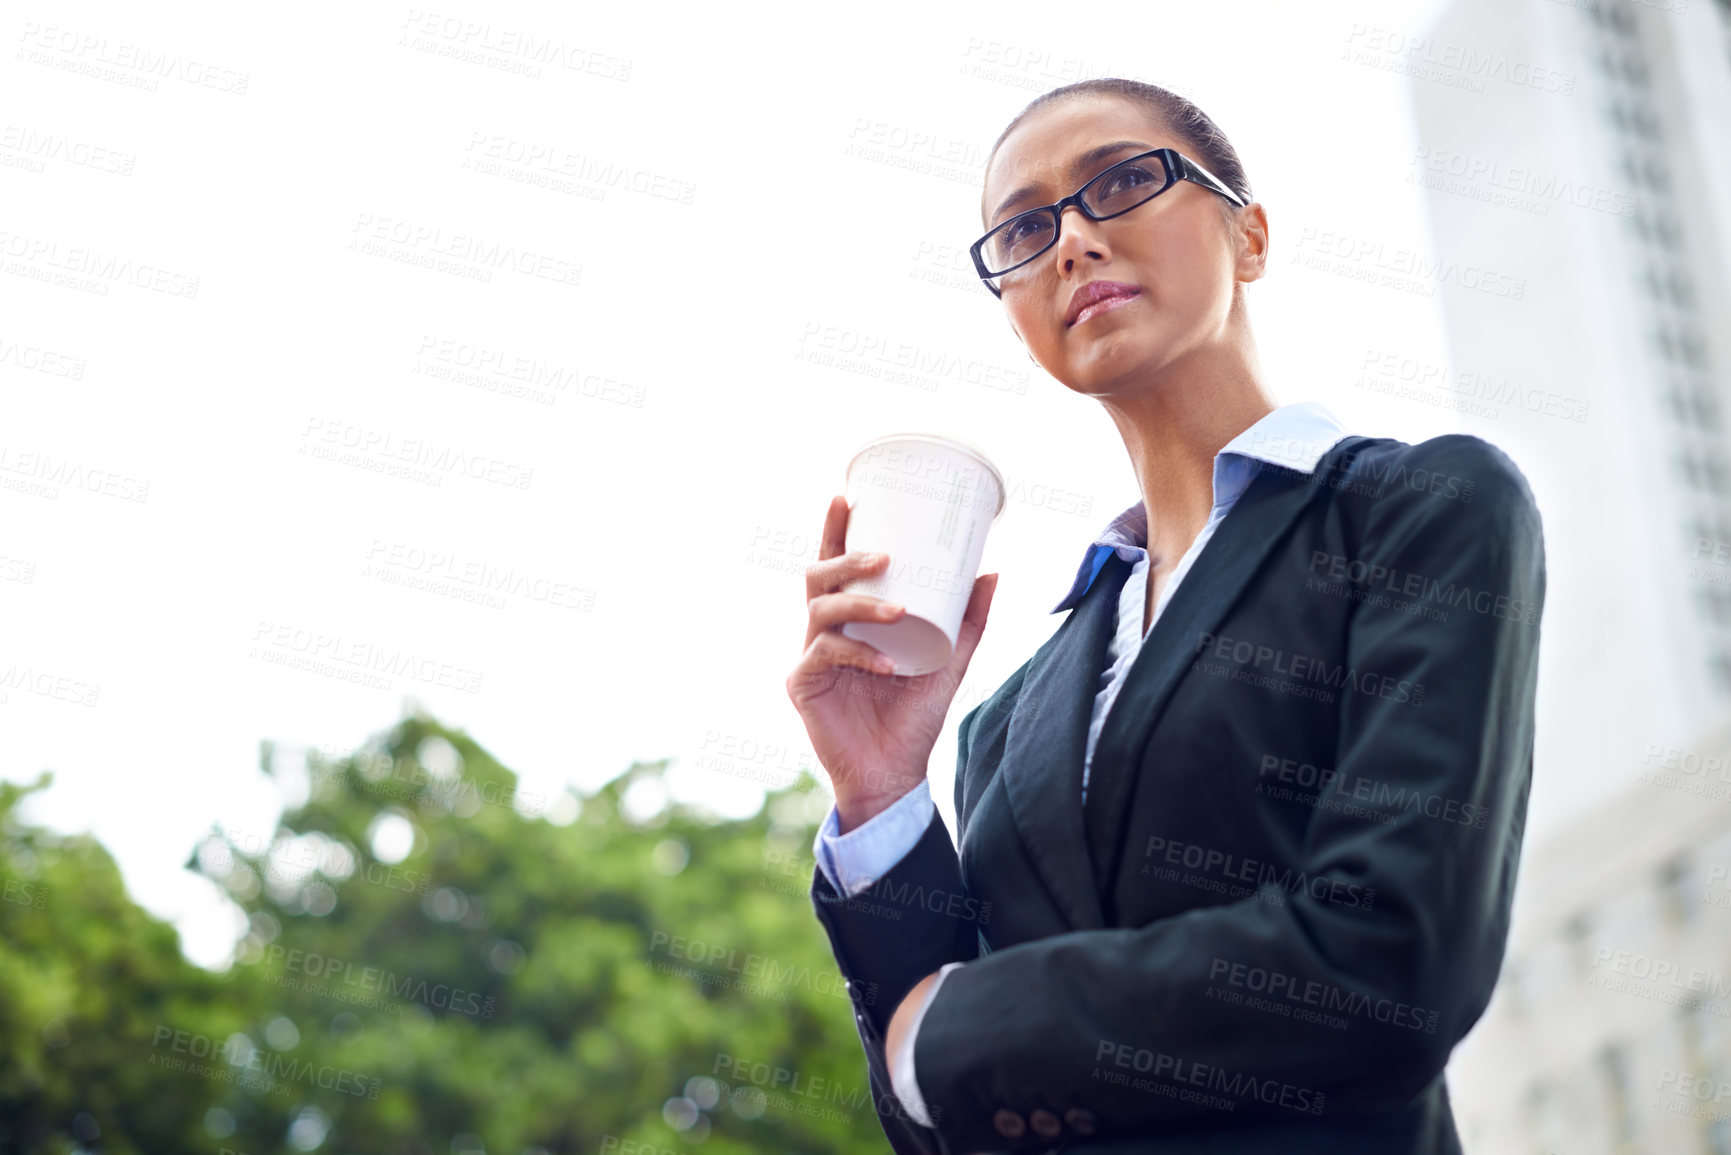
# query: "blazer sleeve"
{"points": [[1121, 1021], [888, 937]]}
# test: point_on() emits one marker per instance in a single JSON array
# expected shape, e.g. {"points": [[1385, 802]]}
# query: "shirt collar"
{"points": [[1294, 436]]}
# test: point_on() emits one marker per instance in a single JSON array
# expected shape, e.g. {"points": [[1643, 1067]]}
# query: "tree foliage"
{"points": [[437, 962]]}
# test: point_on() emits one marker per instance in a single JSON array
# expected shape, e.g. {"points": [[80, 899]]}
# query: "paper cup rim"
{"points": [[948, 442]]}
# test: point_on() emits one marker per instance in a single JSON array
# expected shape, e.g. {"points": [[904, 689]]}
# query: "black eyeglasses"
{"points": [[1126, 185]]}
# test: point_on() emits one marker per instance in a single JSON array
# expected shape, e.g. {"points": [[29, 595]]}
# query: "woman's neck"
{"points": [[1173, 427]]}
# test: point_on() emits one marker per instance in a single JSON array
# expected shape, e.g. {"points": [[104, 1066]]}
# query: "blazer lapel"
{"points": [[1046, 741], [1219, 574]]}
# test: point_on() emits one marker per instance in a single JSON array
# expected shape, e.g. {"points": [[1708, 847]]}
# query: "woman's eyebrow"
{"points": [[1085, 161]]}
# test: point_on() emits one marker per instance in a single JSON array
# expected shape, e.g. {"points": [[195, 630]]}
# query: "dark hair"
{"points": [[1190, 124]]}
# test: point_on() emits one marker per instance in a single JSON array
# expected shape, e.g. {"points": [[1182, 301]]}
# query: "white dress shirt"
{"points": [[1295, 436]]}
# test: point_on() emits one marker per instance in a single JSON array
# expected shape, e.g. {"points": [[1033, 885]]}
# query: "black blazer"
{"points": [[1287, 897]]}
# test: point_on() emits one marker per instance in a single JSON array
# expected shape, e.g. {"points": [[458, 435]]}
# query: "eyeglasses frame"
{"points": [[1178, 168]]}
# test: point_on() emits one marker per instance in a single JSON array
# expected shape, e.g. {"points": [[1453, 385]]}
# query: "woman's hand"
{"points": [[903, 1020], [872, 731]]}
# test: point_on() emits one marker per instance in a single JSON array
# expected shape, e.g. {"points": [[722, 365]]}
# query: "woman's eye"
{"points": [[1021, 230], [1125, 179]]}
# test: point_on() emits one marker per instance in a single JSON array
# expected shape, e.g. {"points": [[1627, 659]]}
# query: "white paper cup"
{"points": [[927, 501]]}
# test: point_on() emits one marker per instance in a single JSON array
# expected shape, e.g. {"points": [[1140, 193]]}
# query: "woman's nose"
{"points": [[1078, 236]]}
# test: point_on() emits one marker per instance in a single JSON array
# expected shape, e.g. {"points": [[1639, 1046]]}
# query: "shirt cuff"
{"points": [[902, 1080], [855, 860]]}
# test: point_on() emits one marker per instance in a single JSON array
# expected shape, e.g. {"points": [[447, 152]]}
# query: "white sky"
{"points": [[687, 518]]}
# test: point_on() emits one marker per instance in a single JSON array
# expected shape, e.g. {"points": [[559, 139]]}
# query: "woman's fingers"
{"points": [[834, 529], [826, 577], [830, 611], [830, 650], [974, 619], [828, 608]]}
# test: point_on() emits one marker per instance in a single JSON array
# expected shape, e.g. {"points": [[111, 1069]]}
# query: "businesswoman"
{"points": [[1236, 845]]}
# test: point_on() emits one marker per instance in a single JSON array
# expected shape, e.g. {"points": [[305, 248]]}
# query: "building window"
{"points": [[1658, 176], [1665, 342], [1619, 1087], [1709, 1035], [1618, 114], [1706, 411], [1713, 529], [1681, 342], [1692, 349], [1682, 288], [1716, 1136], [1661, 231], [1632, 117], [1650, 279], [1678, 403], [1714, 602], [1681, 897], [1721, 667], [1709, 467], [1705, 472], [1666, 230], [1575, 933], [1514, 989], [1690, 469], [1536, 1102], [1691, 407]]}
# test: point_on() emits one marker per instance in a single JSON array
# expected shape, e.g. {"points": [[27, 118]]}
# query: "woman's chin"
{"points": [[1095, 365]]}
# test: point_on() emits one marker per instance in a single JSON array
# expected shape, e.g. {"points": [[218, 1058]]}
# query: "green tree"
{"points": [[86, 981], [435, 962]]}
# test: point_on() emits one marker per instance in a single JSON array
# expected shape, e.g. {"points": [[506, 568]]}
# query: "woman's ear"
{"points": [[1250, 232]]}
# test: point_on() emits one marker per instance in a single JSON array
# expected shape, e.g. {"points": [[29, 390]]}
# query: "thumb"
{"points": [[974, 619]]}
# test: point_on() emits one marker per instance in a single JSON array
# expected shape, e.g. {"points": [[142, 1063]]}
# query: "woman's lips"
{"points": [[1105, 306]]}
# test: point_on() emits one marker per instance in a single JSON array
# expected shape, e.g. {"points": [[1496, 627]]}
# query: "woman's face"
{"points": [[1175, 253]]}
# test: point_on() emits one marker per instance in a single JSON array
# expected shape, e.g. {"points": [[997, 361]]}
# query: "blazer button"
{"points": [[1081, 1120], [1008, 1123], [1045, 1124]]}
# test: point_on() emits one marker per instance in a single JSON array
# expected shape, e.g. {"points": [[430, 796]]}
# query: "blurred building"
{"points": [[1610, 1031], [1575, 162], [1580, 151]]}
